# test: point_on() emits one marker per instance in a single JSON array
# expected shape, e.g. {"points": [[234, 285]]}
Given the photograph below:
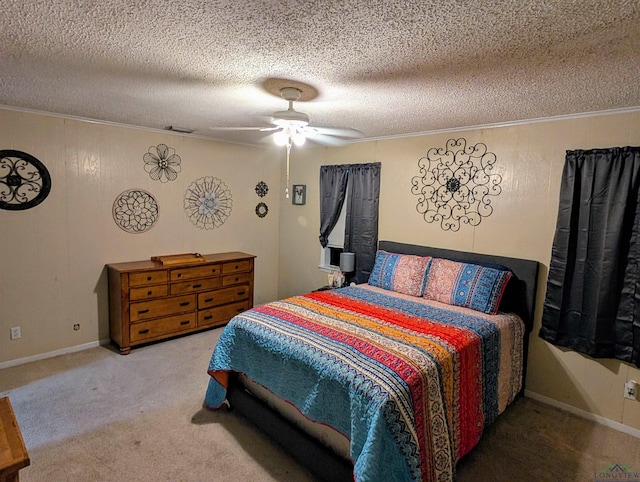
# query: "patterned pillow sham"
{"points": [[402, 273], [462, 284]]}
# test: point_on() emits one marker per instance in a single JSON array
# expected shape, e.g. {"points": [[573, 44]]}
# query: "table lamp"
{"points": [[347, 265]]}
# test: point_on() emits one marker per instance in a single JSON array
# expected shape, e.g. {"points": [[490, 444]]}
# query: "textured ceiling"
{"points": [[383, 67]]}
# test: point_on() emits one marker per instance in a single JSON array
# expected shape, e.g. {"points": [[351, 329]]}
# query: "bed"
{"points": [[395, 379]]}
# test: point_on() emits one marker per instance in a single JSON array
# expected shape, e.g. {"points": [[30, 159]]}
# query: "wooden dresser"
{"points": [[149, 301], [13, 453]]}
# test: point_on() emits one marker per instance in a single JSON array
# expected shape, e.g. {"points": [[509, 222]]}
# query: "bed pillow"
{"points": [[403, 273], [470, 285]]}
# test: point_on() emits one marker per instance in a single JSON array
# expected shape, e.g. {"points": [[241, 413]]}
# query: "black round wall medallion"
{"points": [[24, 180], [262, 189], [261, 210]]}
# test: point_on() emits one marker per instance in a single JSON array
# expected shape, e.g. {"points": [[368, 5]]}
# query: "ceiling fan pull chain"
{"points": [[286, 191]]}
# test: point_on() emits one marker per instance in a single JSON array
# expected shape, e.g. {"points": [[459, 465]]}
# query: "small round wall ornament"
{"points": [[135, 211], [162, 163], [24, 181], [262, 189], [262, 210], [208, 202]]}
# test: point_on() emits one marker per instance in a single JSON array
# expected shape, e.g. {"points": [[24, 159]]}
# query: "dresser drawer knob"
{"points": [[208, 300], [197, 286], [141, 312], [237, 279], [185, 303], [149, 293], [208, 317], [143, 332], [185, 322], [240, 293], [148, 278], [240, 310]]}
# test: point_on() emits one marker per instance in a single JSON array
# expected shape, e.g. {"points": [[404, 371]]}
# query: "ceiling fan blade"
{"points": [[242, 128], [326, 140], [338, 131]]}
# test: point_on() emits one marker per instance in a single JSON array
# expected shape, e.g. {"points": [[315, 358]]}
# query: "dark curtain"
{"points": [[361, 226], [333, 187], [592, 303]]}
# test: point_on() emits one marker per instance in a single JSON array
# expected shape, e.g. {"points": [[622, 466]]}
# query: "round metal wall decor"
{"points": [[456, 184], [208, 203], [262, 189], [262, 210], [162, 163], [24, 181], [135, 211]]}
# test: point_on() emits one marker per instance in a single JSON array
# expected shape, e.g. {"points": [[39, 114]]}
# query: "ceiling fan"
{"points": [[291, 127]]}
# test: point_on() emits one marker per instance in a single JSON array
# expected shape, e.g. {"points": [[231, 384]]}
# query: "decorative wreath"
{"points": [[455, 184], [208, 202]]}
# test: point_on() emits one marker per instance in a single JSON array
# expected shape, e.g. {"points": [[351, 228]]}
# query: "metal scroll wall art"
{"points": [[24, 181], [456, 184], [208, 203]]}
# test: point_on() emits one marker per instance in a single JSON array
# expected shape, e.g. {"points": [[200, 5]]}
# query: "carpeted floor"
{"points": [[98, 416]]}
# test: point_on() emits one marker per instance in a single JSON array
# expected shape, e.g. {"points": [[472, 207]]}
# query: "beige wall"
{"points": [[52, 257], [530, 158]]}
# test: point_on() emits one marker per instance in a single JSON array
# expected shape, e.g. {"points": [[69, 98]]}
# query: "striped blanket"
{"points": [[412, 383]]}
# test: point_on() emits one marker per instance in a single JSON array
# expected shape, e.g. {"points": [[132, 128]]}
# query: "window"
{"points": [[591, 304], [349, 194], [330, 255]]}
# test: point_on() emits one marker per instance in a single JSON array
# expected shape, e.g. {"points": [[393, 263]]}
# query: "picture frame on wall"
{"points": [[299, 197]]}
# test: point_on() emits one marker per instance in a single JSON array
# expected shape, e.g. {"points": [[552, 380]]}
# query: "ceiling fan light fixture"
{"points": [[298, 138], [281, 138]]}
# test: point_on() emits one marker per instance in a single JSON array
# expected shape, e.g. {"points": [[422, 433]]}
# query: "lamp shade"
{"points": [[347, 262]]}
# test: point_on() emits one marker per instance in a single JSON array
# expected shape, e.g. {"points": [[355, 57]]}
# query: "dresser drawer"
{"points": [[196, 285], [234, 279], [236, 267], [195, 272], [147, 278], [221, 314], [148, 292], [162, 307], [223, 296], [162, 327]]}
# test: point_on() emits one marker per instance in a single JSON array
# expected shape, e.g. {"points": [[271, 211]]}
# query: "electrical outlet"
{"points": [[15, 332], [76, 326], [630, 389]]}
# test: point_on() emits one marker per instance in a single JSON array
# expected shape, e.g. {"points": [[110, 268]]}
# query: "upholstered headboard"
{"points": [[520, 294]]}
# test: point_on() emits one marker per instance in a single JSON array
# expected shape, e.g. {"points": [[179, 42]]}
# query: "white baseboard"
{"points": [[51, 354], [584, 414]]}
